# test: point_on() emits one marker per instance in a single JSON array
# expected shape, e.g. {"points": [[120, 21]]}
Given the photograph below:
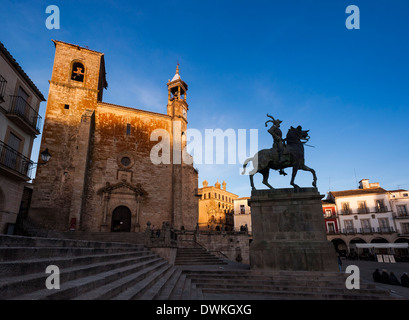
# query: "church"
{"points": [[101, 177]]}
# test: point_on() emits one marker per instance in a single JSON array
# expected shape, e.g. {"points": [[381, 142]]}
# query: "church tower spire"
{"points": [[177, 104]]}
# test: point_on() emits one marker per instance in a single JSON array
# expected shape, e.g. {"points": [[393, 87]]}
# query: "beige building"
{"points": [[216, 207], [102, 175], [19, 125], [242, 214], [368, 215]]}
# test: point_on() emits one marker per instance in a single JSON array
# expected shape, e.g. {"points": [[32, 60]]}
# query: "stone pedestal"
{"points": [[289, 231]]}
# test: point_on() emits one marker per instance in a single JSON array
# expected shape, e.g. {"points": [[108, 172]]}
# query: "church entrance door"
{"points": [[121, 219]]}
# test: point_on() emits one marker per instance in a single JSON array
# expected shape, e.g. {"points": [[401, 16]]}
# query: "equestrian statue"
{"points": [[285, 153]]}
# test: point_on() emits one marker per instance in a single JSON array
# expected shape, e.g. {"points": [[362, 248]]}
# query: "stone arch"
{"points": [[357, 240], [121, 219], [77, 71], [379, 240]]}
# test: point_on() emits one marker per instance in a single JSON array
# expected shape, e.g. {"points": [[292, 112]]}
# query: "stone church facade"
{"points": [[101, 176]]}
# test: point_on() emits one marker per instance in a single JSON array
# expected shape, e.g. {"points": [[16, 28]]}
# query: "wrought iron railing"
{"points": [[14, 160], [20, 107], [3, 83]]}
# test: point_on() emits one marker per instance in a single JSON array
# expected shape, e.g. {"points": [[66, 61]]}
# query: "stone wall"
{"points": [[228, 245]]}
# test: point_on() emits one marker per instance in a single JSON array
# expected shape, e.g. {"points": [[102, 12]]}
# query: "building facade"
{"points": [[242, 215], [113, 168], [20, 123], [216, 207], [369, 214]]}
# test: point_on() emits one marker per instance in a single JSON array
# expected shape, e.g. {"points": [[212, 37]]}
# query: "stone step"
{"points": [[22, 241], [135, 292], [117, 287], [245, 274], [295, 287], [169, 286], [198, 263], [26, 253], [296, 295], [155, 290], [71, 288], [177, 291], [24, 267], [265, 282], [26, 284], [193, 254]]}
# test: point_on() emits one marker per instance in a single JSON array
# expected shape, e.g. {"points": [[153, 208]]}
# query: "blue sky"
{"points": [[242, 59]]}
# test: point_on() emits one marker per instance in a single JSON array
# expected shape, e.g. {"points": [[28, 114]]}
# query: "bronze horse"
{"points": [[293, 156]]}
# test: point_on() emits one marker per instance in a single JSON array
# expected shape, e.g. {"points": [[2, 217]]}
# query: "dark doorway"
{"points": [[121, 219]]}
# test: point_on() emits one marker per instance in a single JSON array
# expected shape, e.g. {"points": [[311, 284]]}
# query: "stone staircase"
{"points": [[91, 270], [88, 269], [278, 285], [196, 256]]}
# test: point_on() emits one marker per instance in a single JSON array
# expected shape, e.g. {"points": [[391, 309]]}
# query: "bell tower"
{"points": [[177, 105], [76, 86]]}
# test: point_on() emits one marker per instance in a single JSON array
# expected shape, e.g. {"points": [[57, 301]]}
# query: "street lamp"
{"points": [[45, 155]]}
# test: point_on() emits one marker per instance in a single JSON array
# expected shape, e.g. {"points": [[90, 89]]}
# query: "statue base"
{"points": [[289, 231]]}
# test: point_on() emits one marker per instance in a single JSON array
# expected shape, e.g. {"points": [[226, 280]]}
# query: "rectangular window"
{"points": [[331, 227], [66, 106], [384, 225], [242, 209], [380, 206], [402, 211], [21, 102], [345, 208], [349, 226], [405, 228], [11, 159], [328, 212], [128, 129], [366, 226], [362, 207], [3, 83]]}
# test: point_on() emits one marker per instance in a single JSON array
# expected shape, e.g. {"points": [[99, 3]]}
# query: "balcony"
{"points": [[381, 209], [363, 209], [24, 115], [14, 163], [401, 216], [385, 230]]}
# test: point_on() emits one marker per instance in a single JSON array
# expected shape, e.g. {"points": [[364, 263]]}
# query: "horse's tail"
{"points": [[245, 165]]}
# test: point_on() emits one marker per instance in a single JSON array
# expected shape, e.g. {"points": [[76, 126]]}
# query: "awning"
{"points": [[381, 245]]}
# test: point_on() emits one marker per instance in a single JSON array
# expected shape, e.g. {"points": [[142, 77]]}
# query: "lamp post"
{"points": [[45, 157]]}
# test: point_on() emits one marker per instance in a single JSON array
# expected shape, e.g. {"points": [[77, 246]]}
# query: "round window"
{"points": [[125, 161]]}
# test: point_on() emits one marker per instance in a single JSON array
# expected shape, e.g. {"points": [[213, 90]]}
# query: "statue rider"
{"points": [[277, 135]]}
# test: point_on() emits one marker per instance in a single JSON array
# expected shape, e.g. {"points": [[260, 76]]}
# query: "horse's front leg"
{"points": [[314, 176], [252, 182], [266, 173], [295, 170]]}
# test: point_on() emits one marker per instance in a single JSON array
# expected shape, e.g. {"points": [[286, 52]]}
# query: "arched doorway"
{"points": [[340, 246], [121, 219]]}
